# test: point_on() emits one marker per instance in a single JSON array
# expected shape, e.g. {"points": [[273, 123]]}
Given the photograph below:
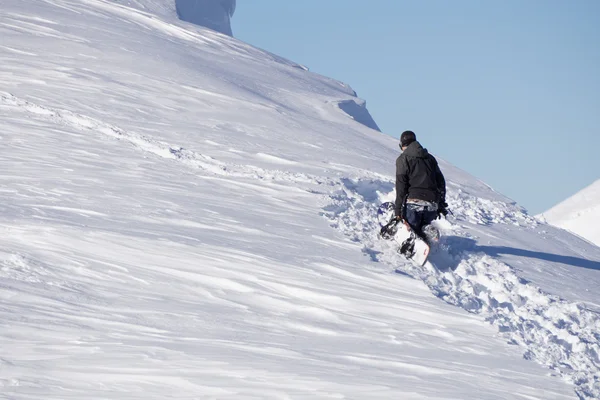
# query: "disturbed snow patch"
{"points": [[560, 335]]}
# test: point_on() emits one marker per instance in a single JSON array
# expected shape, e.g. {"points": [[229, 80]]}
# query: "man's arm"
{"points": [[401, 184], [441, 182], [441, 186]]}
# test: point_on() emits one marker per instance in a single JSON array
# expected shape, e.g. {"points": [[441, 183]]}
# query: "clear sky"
{"points": [[507, 90]]}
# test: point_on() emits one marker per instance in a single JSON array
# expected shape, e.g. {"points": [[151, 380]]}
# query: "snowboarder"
{"points": [[420, 189]]}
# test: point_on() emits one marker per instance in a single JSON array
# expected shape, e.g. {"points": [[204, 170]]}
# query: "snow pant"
{"points": [[419, 216]]}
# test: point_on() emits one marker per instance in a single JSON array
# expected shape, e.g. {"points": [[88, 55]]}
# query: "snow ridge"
{"points": [[560, 335]]}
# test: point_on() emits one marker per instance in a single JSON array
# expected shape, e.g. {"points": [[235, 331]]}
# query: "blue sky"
{"points": [[507, 90]]}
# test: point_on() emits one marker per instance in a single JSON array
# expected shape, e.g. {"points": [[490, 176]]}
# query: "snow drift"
{"points": [[184, 215], [213, 14], [357, 110]]}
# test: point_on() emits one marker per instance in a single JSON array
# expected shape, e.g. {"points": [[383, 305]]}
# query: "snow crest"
{"points": [[357, 110], [213, 14], [561, 335]]}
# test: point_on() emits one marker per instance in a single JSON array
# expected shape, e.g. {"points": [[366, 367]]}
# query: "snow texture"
{"points": [[213, 14], [579, 214], [186, 216]]}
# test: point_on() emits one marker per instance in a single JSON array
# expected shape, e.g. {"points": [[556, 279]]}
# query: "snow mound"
{"points": [[579, 213]]}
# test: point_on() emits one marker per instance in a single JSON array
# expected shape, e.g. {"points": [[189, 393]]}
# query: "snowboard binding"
{"points": [[407, 249], [411, 246], [390, 229]]}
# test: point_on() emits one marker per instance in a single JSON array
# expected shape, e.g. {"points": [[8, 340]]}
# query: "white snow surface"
{"points": [[186, 216], [579, 213], [213, 14]]}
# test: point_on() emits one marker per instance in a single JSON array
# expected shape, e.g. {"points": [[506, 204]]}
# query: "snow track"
{"points": [[561, 335]]}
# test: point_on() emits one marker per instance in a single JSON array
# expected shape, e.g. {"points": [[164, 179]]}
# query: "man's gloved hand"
{"points": [[389, 230], [442, 209]]}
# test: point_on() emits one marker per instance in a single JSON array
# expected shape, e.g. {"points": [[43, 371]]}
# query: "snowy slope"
{"points": [[579, 214], [187, 216]]}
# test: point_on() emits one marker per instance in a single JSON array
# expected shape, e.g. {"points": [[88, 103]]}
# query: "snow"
{"points": [[579, 213], [187, 216], [213, 14]]}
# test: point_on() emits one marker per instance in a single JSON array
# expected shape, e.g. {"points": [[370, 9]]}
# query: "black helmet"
{"points": [[407, 138]]}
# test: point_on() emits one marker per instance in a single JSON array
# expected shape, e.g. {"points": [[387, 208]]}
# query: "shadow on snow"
{"points": [[467, 244]]}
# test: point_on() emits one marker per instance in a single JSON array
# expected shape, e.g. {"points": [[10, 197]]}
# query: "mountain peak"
{"points": [[579, 213]]}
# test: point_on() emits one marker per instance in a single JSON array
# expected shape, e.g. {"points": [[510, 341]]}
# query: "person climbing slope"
{"points": [[420, 189]]}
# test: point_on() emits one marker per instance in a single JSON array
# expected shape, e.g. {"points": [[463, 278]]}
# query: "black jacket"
{"points": [[418, 176]]}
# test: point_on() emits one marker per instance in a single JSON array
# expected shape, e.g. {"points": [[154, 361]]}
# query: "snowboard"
{"points": [[412, 247]]}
